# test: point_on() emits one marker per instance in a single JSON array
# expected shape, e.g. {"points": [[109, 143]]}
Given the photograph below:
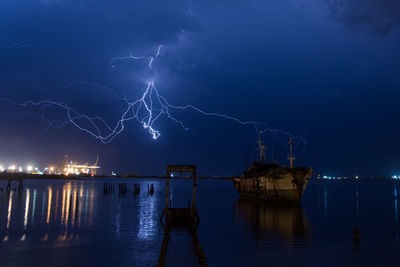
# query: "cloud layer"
{"points": [[378, 16]]}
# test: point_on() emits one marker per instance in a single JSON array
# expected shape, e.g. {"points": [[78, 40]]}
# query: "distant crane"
{"points": [[75, 168], [66, 159], [93, 172]]}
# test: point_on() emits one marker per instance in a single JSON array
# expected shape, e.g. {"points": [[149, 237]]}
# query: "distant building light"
{"points": [[20, 169], [29, 168], [356, 177]]}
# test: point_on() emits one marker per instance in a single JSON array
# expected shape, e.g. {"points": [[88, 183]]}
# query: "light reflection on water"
{"points": [[147, 224], [74, 222], [65, 218], [396, 210]]}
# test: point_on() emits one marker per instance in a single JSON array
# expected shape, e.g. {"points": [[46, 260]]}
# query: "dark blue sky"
{"points": [[327, 71]]}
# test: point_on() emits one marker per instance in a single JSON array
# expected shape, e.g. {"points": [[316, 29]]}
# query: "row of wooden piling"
{"points": [[8, 187], [109, 188], [122, 188]]}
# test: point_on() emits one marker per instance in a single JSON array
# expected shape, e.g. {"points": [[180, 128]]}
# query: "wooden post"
{"points": [[8, 186], [194, 189], [167, 190], [20, 186]]}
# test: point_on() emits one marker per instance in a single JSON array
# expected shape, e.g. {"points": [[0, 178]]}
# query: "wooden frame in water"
{"points": [[187, 218]]}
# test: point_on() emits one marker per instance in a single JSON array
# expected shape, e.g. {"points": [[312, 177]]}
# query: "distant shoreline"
{"points": [[6, 176], [24, 176]]}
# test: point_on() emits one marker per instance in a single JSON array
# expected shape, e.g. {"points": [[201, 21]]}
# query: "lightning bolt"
{"points": [[146, 110]]}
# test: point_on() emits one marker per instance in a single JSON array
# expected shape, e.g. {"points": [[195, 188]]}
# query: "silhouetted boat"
{"points": [[273, 182]]}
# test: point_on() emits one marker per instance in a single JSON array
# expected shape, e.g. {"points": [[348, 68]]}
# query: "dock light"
{"points": [[1, 169], [20, 169], [12, 168], [29, 168], [356, 177], [51, 169]]}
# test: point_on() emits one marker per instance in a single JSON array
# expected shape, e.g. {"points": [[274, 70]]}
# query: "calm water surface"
{"points": [[63, 223]]}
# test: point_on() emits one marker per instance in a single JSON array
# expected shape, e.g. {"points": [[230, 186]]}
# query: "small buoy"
{"points": [[356, 236]]}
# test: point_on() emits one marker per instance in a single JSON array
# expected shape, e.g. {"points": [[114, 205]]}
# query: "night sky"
{"points": [[326, 71]]}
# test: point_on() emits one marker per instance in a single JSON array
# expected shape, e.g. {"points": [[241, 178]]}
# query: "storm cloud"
{"points": [[378, 16], [285, 63]]}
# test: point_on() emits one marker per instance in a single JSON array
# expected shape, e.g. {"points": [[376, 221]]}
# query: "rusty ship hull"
{"points": [[269, 182]]}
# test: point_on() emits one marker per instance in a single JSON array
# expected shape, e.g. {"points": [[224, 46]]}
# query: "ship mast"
{"points": [[291, 156], [261, 148]]}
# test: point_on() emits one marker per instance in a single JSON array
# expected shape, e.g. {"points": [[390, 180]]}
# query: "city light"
{"points": [[65, 168], [333, 177]]}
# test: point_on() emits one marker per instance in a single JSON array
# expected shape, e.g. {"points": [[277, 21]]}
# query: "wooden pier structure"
{"points": [[182, 218], [20, 181]]}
